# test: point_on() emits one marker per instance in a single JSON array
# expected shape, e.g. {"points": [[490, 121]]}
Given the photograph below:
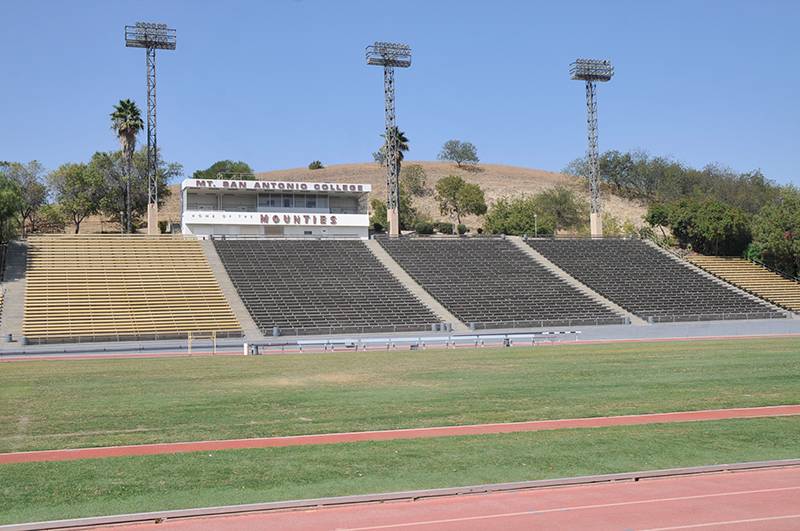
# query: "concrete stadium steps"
{"points": [[752, 278], [612, 306], [418, 291], [115, 287], [249, 327], [320, 287], [14, 284], [650, 283], [490, 283]]}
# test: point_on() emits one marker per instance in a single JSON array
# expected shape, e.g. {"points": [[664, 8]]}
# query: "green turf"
{"points": [[58, 404], [43, 491]]}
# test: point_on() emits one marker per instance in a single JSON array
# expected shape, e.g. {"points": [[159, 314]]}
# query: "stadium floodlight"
{"points": [[390, 55], [592, 71], [151, 37]]}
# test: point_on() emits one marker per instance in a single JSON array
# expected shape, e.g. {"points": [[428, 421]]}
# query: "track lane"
{"points": [[756, 499], [391, 435]]}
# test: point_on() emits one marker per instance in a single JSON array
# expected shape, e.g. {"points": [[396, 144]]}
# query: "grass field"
{"points": [[42, 491], [59, 404]]}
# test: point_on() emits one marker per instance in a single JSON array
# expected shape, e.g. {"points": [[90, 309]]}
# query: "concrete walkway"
{"points": [[14, 300], [249, 327], [411, 285], [583, 288]]}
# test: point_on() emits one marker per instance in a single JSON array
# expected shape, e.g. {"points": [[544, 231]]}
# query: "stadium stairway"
{"points": [[249, 328], [752, 278], [14, 283], [530, 251], [411, 285]]}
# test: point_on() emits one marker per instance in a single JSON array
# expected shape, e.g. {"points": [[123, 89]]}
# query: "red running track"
{"points": [[389, 435], [751, 500]]}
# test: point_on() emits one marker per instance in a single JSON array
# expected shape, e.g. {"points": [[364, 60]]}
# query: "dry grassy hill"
{"points": [[497, 181]]}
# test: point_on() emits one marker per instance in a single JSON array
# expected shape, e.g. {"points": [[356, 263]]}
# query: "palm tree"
{"points": [[126, 121], [402, 146]]}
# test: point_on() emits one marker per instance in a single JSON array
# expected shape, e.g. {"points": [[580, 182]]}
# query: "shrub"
{"points": [[462, 229], [162, 227], [424, 227], [443, 227], [315, 165], [377, 227]]}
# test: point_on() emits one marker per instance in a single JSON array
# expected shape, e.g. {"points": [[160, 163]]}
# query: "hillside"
{"points": [[496, 180]]}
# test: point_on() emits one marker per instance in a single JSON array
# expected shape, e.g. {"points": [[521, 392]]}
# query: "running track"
{"points": [[388, 435], [751, 500]]}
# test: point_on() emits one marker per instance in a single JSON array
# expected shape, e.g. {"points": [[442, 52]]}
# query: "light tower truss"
{"points": [[390, 55], [592, 71], [151, 37]]}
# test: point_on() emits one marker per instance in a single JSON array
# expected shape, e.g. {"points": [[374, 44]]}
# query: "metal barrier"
{"points": [[410, 342]]}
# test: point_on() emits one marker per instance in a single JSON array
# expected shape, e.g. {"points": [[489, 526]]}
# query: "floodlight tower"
{"points": [[390, 55], [591, 71], [151, 37]]}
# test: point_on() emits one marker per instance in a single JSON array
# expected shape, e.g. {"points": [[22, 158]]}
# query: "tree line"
{"points": [[113, 184], [713, 210]]}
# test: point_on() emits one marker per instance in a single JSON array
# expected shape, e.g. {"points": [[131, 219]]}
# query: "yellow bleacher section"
{"points": [[108, 287], [753, 278]]}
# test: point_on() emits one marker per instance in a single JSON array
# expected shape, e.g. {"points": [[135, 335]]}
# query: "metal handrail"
{"points": [[774, 270]]}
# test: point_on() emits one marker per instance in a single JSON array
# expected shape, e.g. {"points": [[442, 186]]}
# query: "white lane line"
{"points": [[725, 522], [567, 509]]}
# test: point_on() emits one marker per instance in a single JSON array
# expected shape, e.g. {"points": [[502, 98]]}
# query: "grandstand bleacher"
{"points": [[648, 283], [90, 288], [753, 278], [490, 283], [319, 287]]}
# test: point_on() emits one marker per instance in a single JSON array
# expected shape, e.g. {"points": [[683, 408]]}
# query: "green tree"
{"points": [[111, 166], [518, 216], [50, 219], [32, 192], [708, 225], [226, 169], [402, 146], [78, 189], [126, 121], [563, 208], [776, 232], [10, 204], [414, 180], [459, 152], [459, 198], [315, 165]]}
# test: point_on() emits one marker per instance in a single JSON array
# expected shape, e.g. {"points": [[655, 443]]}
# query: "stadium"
{"points": [[327, 348]]}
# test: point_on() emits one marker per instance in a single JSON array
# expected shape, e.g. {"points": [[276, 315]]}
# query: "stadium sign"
{"points": [[220, 184], [276, 218]]}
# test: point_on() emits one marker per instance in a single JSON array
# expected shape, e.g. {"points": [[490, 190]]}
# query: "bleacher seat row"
{"points": [[490, 283], [319, 286], [648, 283], [84, 288], [753, 278]]}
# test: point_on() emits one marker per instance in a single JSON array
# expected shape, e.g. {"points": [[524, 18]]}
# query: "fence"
{"points": [[411, 342]]}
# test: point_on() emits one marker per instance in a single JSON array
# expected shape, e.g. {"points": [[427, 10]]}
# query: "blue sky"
{"points": [[280, 83]]}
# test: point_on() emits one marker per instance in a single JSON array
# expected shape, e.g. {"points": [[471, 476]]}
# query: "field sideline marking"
{"points": [[69, 454]]}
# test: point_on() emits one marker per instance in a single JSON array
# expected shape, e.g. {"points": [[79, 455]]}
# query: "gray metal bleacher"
{"points": [[490, 283], [648, 283], [319, 287]]}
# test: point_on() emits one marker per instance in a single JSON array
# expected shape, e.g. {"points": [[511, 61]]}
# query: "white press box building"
{"points": [[274, 208]]}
